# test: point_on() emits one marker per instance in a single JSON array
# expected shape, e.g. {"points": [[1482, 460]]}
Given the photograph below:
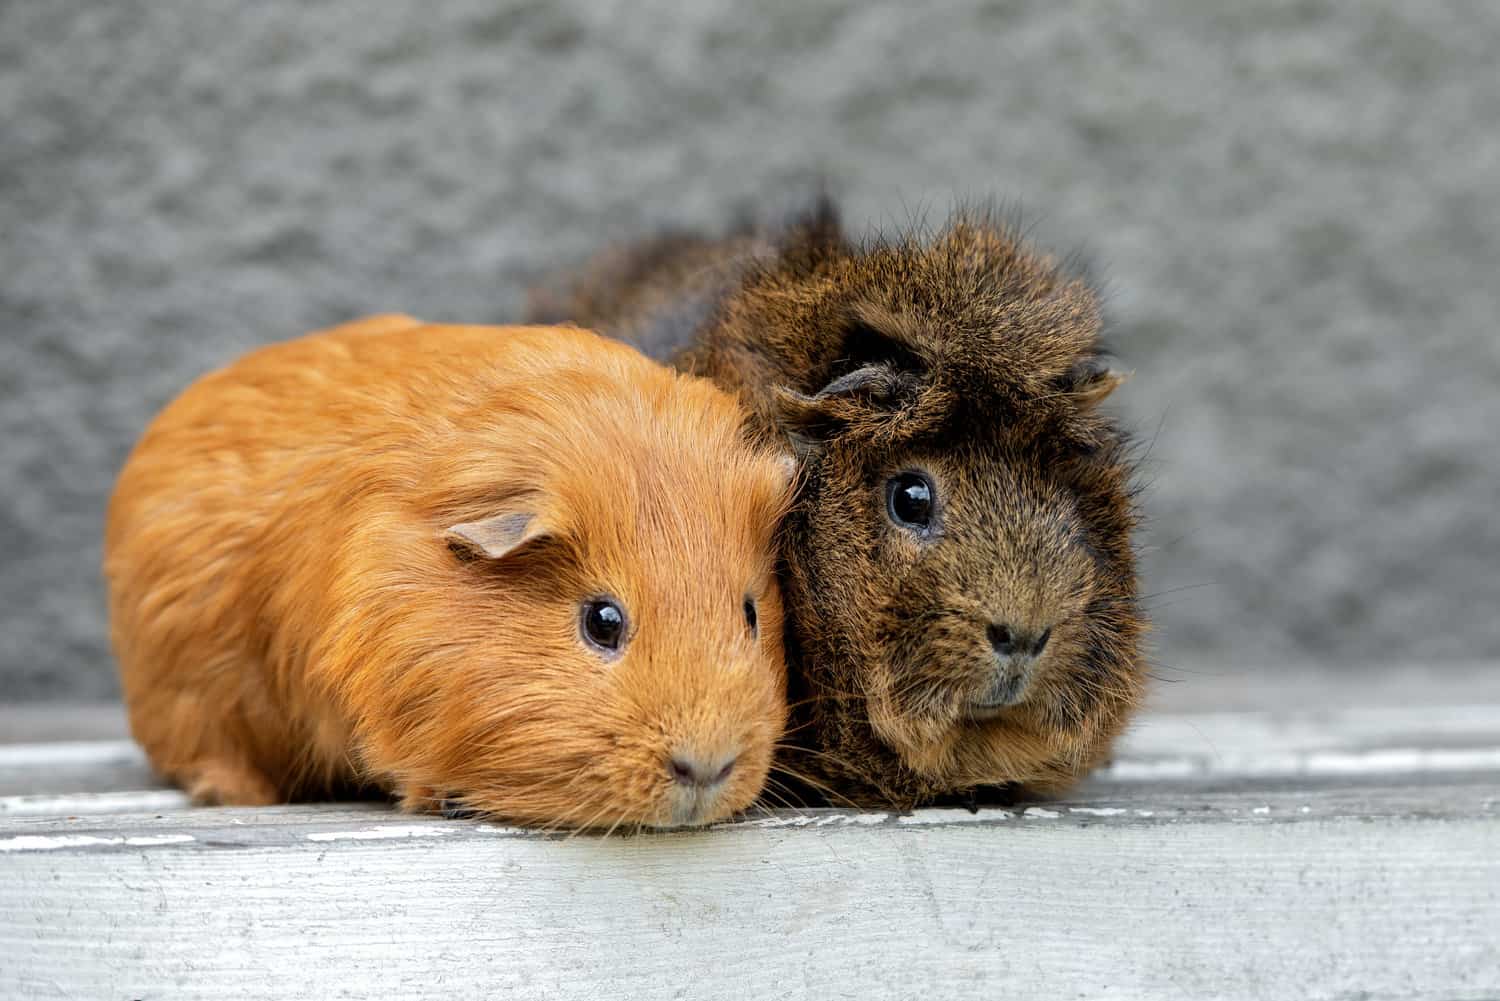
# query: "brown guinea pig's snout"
{"points": [[1017, 650]]}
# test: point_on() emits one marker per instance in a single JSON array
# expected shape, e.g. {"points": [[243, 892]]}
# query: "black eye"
{"points": [[909, 500], [751, 619], [603, 623]]}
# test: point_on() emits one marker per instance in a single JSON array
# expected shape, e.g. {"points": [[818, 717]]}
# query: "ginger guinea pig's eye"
{"points": [[751, 619], [909, 501], [603, 624]]}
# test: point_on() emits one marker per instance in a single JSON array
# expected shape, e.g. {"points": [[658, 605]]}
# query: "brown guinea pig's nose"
{"points": [[1011, 641], [1016, 650], [698, 771]]}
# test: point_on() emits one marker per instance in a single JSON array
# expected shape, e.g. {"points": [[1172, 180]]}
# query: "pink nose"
{"points": [[692, 770]]}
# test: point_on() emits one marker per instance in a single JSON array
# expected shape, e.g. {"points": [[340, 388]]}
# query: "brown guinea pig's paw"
{"points": [[218, 782]]}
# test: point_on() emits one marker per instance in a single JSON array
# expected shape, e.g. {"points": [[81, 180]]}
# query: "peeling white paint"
{"points": [[1386, 761], [808, 820], [1099, 811], [386, 832], [500, 829], [40, 843], [869, 819], [1040, 813], [80, 804], [953, 816], [795, 820]]}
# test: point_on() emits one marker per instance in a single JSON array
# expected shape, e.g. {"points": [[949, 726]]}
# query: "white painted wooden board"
{"points": [[1346, 853], [1054, 902]]}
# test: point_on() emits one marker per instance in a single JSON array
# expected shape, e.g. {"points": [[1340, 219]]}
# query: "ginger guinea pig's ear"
{"points": [[499, 535], [787, 466], [788, 481], [1091, 380]]}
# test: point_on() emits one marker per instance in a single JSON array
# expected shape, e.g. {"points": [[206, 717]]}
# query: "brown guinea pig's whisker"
{"points": [[809, 780], [828, 691], [832, 794], [811, 699], [843, 763], [805, 724], [1106, 686], [775, 788], [814, 752]]}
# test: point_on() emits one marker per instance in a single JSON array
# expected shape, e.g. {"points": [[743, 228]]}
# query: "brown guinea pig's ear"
{"points": [[872, 391], [499, 535], [876, 378], [1091, 380]]}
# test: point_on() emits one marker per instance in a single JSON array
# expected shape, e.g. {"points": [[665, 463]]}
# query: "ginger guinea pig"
{"points": [[960, 579], [523, 571]]}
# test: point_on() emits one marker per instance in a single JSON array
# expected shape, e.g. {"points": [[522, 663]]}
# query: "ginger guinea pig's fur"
{"points": [[960, 579], [381, 556]]}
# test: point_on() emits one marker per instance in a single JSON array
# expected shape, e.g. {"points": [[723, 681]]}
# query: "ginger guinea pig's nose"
{"points": [[1016, 651], [699, 771], [699, 782]]}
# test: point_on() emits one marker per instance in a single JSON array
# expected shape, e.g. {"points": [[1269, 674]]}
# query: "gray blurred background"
{"points": [[1296, 206]]}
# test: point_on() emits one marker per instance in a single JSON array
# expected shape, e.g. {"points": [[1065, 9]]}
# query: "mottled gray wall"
{"points": [[1297, 206]]}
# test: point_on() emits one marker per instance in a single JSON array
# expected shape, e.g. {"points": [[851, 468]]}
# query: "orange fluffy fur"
{"points": [[289, 615]]}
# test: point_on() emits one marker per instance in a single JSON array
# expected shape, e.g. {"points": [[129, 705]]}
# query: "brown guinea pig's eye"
{"points": [[909, 499], [603, 624], [751, 619]]}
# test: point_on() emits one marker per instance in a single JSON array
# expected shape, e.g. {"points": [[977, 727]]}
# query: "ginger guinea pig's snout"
{"points": [[714, 751], [1017, 650], [699, 782]]}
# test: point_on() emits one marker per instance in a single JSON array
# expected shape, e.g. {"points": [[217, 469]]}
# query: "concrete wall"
{"points": [[1297, 206]]}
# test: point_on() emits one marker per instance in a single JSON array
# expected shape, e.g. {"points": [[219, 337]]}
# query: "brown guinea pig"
{"points": [[960, 579], [523, 571]]}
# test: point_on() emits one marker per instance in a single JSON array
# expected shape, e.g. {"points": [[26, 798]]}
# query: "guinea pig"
{"points": [[959, 573], [523, 572]]}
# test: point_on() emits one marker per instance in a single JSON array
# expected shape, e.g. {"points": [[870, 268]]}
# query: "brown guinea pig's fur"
{"points": [[360, 558], [969, 359]]}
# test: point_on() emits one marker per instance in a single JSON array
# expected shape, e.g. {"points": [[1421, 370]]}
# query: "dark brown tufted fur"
{"points": [[977, 361]]}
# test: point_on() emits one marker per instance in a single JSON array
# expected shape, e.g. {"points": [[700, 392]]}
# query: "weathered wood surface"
{"points": [[1247, 896], [1318, 853]]}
